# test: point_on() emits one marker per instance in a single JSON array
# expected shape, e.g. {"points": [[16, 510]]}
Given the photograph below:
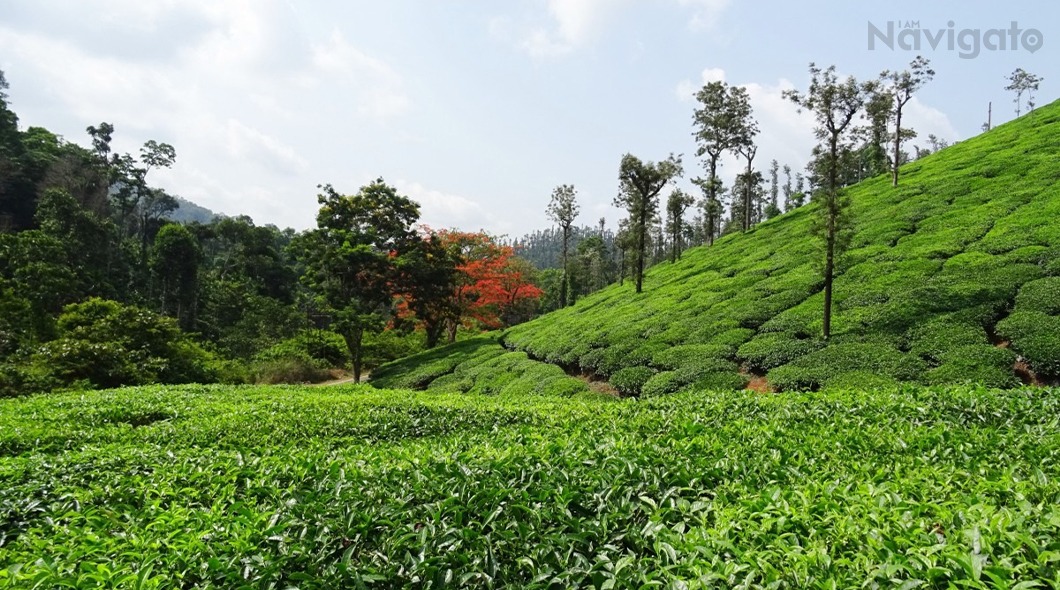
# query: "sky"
{"points": [[477, 109]]}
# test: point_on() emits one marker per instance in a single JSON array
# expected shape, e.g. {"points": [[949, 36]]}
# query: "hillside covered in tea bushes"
{"points": [[953, 276]]}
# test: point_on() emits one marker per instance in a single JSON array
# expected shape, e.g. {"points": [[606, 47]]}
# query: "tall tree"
{"points": [[835, 105], [1021, 82], [492, 286], [349, 258], [639, 186], [902, 86], [711, 207], [788, 190], [563, 209], [748, 151], [721, 122], [773, 207], [427, 279], [879, 110], [175, 260], [676, 205]]}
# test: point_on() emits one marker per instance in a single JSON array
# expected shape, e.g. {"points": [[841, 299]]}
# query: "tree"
{"points": [[428, 275], [175, 260], [493, 287], [722, 122], [747, 194], [639, 186], [676, 205], [563, 209], [835, 104], [1020, 82], [902, 86], [748, 152], [872, 156], [773, 207], [349, 259], [788, 190]]}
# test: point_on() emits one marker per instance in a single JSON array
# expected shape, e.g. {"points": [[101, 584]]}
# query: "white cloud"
{"points": [[447, 210], [707, 13], [926, 120], [686, 89], [577, 22], [244, 142], [380, 88]]}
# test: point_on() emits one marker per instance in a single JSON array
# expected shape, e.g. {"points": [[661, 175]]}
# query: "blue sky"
{"points": [[474, 108]]}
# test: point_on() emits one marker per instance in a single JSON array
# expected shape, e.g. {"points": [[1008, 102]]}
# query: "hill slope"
{"points": [[953, 276]]}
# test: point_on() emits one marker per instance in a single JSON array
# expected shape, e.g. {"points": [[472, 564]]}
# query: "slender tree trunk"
{"points": [[712, 195], [747, 194], [897, 145], [563, 287], [353, 344], [675, 246], [641, 235], [830, 238]]}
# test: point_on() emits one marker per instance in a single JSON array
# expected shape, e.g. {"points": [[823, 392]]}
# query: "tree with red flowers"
{"points": [[493, 286]]}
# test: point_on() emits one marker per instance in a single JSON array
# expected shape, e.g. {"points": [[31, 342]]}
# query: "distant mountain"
{"points": [[188, 212]]}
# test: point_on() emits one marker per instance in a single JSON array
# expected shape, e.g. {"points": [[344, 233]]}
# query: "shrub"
{"points": [[1042, 296], [1036, 337], [631, 380], [814, 370], [293, 368], [774, 349], [860, 381], [107, 344], [727, 381], [976, 363], [323, 348], [661, 384], [689, 354], [933, 339]]}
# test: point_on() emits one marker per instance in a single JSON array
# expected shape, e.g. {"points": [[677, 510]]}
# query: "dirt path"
{"points": [[759, 384], [342, 378]]}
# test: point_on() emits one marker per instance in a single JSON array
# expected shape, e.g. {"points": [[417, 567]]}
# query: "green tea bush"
{"points": [[691, 354], [935, 338], [814, 370], [976, 363], [1042, 296], [1036, 337], [773, 349], [860, 380], [291, 368], [631, 380], [662, 383]]}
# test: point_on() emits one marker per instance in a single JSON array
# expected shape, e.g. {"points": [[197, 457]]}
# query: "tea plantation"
{"points": [[351, 487], [950, 278]]}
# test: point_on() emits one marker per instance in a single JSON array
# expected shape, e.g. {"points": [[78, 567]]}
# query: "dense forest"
{"points": [[106, 280]]}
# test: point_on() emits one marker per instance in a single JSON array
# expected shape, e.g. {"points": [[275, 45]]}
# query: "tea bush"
{"points": [[346, 487]]}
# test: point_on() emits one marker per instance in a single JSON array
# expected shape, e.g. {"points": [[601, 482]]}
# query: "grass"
{"points": [[936, 266], [293, 487]]}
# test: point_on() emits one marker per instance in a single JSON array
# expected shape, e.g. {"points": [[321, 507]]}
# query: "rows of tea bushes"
{"points": [[479, 365], [935, 267], [352, 487]]}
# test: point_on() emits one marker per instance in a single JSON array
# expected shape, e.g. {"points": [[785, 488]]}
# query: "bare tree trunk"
{"points": [[897, 145], [353, 344]]}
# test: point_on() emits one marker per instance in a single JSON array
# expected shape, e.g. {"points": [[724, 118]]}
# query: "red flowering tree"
{"points": [[493, 286]]}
